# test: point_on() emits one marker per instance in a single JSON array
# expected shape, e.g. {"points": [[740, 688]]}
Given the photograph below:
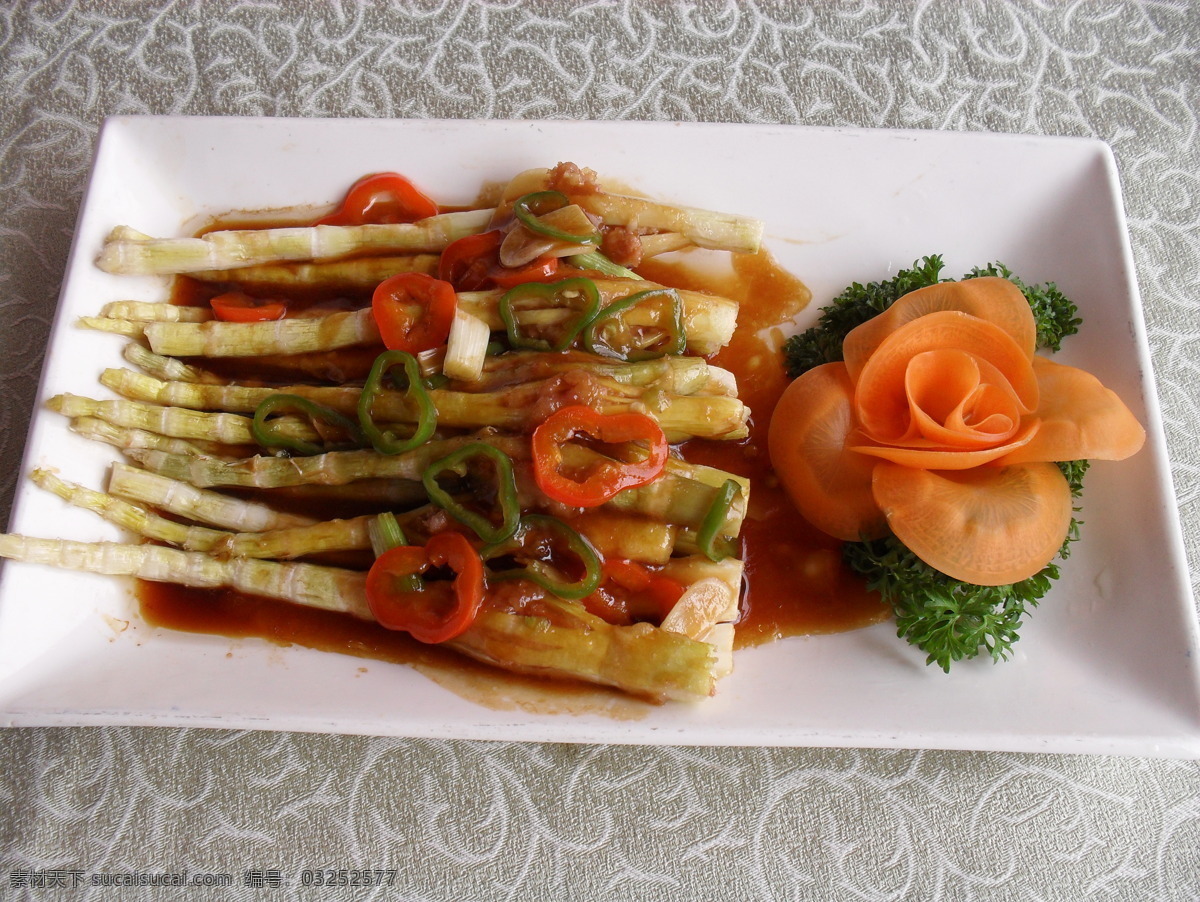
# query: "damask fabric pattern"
{"points": [[466, 820]]}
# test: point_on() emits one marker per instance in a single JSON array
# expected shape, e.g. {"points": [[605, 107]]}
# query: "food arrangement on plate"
{"points": [[532, 431]]}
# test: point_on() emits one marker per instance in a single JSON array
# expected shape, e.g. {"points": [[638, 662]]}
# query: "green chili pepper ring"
{"points": [[676, 339], [575, 294], [266, 434], [540, 572], [707, 537], [528, 208], [385, 441], [506, 491]]}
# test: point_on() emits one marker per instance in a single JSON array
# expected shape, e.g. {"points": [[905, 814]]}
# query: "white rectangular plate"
{"points": [[1107, 663]]}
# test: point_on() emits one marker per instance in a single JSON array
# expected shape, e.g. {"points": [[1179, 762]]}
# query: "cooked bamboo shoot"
{"points": [[640, 659], [212, 508], [361, 273], [278, 544], [328, 588], [284, 336], [193, 407], [237, 248], [517, 408]]}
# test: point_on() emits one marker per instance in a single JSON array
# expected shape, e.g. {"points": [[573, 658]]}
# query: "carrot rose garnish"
{"points": [[942, 426]]}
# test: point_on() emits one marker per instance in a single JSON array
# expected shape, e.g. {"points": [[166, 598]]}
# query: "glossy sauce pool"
{"points": [[795, 582]]}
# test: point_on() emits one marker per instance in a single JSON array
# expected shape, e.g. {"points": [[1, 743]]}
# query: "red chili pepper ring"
{"points": [[430, 611], [385, 197], [414, 311], [608, 478]]}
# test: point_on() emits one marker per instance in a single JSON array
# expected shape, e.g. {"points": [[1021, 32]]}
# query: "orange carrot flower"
{"points": [[942, 425]]}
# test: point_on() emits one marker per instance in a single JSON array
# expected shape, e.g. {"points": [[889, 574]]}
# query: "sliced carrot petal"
{"points": [[925, 455], [829, 484], [990, 526], [959, 401], [1080, 419], [994, 299], [880, 399]]}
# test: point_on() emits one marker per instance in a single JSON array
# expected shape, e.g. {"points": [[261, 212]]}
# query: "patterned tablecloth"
{"points": [[477, 820]]}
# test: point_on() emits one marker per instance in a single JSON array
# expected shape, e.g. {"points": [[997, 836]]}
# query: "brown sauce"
{"points": [[795, 582], [226, 612]]}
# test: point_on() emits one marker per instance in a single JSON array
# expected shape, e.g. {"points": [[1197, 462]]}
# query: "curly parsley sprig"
{"points": [[1053, 313], [948, 619]]}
